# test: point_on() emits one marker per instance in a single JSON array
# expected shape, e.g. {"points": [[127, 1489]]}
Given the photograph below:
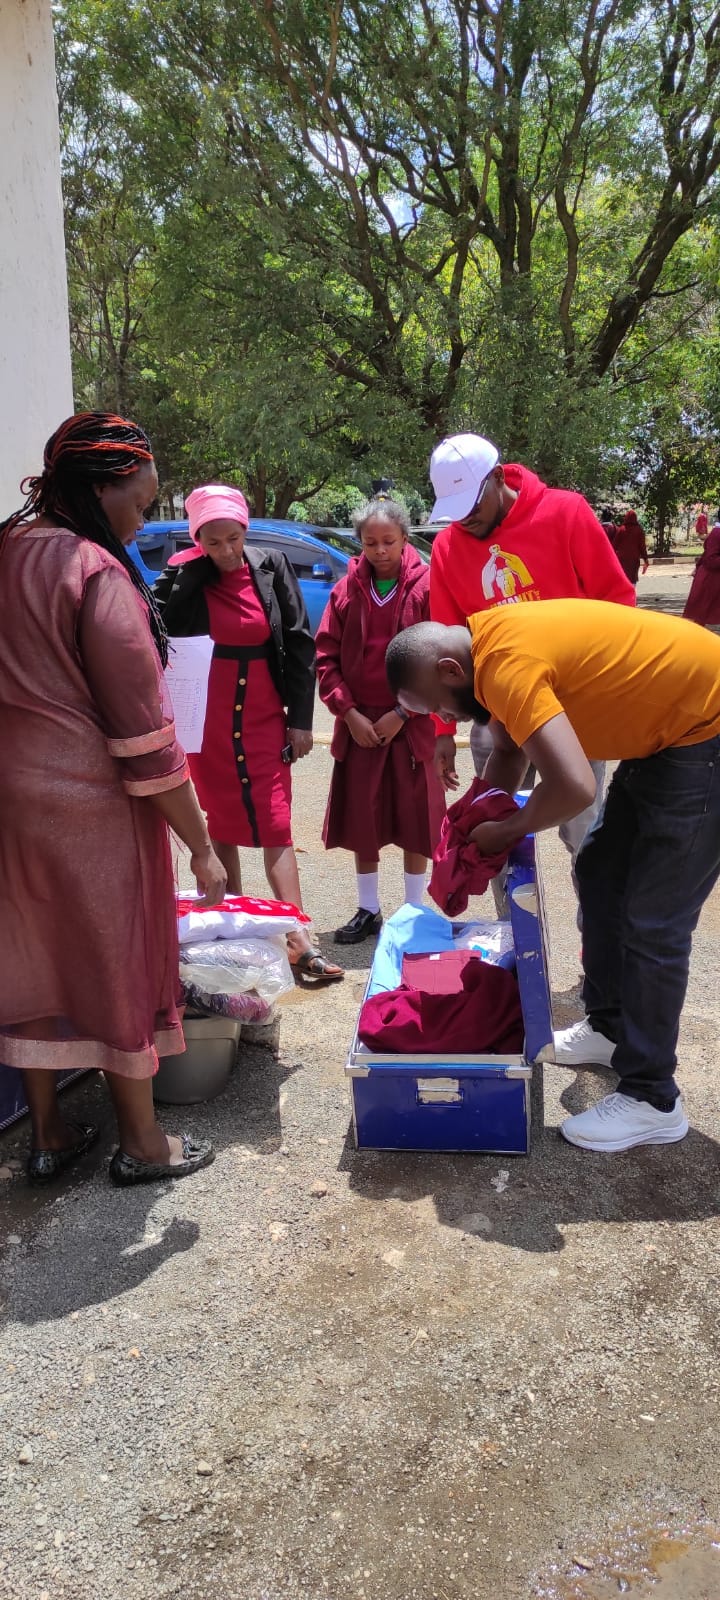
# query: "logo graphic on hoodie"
{"points": [[505, 577]]}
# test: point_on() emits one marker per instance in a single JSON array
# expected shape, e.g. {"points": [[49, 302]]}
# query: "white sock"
{"points": [[367, 890], [414, 886]]}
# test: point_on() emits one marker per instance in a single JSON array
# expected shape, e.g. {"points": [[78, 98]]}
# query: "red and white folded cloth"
{"points": [[459, 869], [238, 915]]}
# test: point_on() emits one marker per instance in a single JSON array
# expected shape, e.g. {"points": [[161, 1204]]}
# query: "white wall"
{"points": [[35, 378]]}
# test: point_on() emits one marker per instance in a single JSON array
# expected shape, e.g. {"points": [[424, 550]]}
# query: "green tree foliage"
{"points": [[678, 456], [358, 226], [675, 459]]}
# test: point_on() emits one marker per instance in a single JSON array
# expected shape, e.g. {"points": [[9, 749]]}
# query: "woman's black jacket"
{"points": [[180, 594]]}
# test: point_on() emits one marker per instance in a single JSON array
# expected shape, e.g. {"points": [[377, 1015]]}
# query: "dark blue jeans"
{"points": [[644, 873]]}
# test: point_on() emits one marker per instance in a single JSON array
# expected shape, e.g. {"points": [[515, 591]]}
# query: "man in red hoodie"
{"points": [[512, 539]]}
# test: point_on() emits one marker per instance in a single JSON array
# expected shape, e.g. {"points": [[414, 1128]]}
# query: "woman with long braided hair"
{"points": [[91, 778]]}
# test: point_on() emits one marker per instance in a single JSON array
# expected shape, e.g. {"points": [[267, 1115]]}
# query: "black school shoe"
{"points": [[126, 1170], [364, 925], [44, 1165]]}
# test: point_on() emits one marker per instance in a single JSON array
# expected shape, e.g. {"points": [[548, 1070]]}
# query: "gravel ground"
{"points": [[312, 1374]]}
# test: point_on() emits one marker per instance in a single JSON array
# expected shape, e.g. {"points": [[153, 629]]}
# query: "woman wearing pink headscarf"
{"points": [[261, 693]]}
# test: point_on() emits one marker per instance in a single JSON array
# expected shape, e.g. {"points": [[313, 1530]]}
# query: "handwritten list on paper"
{"points": [[187, 674]]}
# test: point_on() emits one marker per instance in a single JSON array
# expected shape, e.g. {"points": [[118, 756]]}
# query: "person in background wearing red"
{"points": [[703, 602], [384, 788], [701, 526], [630, 547], [512, 539]]}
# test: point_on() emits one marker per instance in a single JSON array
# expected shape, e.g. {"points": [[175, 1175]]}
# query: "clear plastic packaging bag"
{"points": [[493, 941], [236, 966]]}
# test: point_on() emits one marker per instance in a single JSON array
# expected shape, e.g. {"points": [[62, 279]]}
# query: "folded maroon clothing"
{"points": [[459, 869], [484, 1016], [436, 974]]}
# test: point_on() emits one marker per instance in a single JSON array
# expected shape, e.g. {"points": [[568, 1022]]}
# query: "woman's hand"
{"points": [[182, 813], [387, 727], [210, 877], [301, 740], [362, 729]]}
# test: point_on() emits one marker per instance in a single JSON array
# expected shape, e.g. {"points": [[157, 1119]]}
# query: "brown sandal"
{"points": [[311, 964]]}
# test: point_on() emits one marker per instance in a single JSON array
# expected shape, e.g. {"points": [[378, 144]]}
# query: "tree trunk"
{"points": [[663, 532], [284, 495], [257, 491]]}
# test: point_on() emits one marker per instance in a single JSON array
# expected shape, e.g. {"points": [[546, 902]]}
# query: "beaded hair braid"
{"points": [[90, 448]]}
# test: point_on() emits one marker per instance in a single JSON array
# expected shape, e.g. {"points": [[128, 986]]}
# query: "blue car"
{"points": [[147, 572], [316, 563]]}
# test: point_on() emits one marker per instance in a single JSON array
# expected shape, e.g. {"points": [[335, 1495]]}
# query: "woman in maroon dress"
{"points": [[91, 776], [249, 603], [384, 789], [628, 541], [703, 602]]}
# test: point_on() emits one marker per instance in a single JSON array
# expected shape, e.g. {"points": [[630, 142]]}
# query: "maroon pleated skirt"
{"points": [[383, 796]]}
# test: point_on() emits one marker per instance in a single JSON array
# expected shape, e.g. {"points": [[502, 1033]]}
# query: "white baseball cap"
{"points": [[458, 469]]}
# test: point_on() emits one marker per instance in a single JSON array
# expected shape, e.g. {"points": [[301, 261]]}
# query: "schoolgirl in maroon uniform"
{"points": [[384, 789]]}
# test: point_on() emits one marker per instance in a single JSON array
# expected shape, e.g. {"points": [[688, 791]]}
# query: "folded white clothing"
{"points": [[267, 921]]}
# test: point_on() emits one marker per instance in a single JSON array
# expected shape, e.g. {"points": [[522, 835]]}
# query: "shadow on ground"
{"points": [[116, 1244], [558, 1188]]}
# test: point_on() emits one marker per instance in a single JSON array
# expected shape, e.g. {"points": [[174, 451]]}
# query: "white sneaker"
{"points": [[619, 1123], [582, 1046]]}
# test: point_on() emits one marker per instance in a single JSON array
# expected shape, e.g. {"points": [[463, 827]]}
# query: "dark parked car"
{"points": [[427, 532]]}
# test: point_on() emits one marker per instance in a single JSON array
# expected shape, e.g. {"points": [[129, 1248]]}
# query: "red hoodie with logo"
{"points": [[550, 546]]}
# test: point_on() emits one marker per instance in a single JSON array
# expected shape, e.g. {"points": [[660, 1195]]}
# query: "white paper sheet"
{"points": [[187, 674]]}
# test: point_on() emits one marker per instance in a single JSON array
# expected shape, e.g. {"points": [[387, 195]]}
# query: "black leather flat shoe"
{"points": [[364, 925], [126, 1170], [44, 1165]]}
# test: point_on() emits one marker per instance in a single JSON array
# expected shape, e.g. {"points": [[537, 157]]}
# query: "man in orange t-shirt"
{"points": [[561, 683]]}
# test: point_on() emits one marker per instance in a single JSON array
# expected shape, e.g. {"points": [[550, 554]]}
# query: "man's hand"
{"points": [[386, 727], [362, 729], [496, 838], [645, 566], [566, 785], [445, 761], [301, 740]]}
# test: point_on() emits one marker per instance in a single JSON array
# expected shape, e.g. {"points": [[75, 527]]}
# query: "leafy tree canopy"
{"points": [[308, 239]]}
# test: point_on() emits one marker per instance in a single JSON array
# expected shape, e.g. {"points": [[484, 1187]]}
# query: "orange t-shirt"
{"points": [[630, 682]]}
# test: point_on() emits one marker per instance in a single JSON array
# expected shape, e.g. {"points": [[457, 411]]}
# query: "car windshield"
{"points": [[348, 541], [423, 546], [340, 538]]}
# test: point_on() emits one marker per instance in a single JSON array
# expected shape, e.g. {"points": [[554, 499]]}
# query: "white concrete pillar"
{"points": [[35, 376]]}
